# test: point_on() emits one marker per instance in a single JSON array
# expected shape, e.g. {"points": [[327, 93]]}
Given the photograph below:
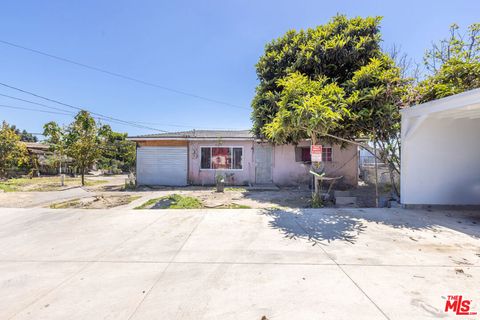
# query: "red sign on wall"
{"points": [[316, 153]]}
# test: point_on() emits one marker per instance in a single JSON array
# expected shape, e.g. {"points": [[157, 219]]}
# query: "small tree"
{"points": [[454, 64], [55, 136], [82, 142], [460, 46], [13, 153], [117, 151]]}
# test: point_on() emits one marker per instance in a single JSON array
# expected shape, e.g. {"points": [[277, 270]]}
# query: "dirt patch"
{"points": [[365, 194], [45, 184], [95, 202], [236, 198], [177, 201]]}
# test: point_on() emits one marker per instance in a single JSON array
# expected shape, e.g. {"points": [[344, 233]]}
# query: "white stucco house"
{"points": [[440, 160]]}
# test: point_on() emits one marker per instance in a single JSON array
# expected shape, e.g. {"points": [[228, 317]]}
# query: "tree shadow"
{"points": [[285, 197], [466, 221], [325, 225], [315, 227]]}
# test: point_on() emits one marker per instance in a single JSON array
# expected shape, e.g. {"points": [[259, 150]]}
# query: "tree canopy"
{"points": [[24, 135], [330, 80], [118, 153], [86, 142], [13, 153], [453, 63], [305, 107], [82, 142]]}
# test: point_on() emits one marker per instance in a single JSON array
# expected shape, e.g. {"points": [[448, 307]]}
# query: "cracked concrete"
{"points": [[236, 264]]}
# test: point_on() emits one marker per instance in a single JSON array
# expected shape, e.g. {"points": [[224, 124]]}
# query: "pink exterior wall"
{"points": [[344, 163], [207, 176], [285, 170]]}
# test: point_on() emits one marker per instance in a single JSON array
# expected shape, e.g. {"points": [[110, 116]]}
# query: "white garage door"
{"points": [[163, 166]]}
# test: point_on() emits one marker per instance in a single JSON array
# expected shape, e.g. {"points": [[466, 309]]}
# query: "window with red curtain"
{"points": [[221, 158], [306, 156]]}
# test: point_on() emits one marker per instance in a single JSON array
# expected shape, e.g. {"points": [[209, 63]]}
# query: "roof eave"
{"points": [[457, 101], [188, 138]]}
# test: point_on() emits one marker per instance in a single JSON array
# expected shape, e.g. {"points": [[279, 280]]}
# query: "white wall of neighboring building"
{"points": [[441, 156]]}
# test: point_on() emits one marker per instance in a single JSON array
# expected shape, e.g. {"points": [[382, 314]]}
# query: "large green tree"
{"points": [[13, 153], [331, 82], [335, 82], [330, 52]]}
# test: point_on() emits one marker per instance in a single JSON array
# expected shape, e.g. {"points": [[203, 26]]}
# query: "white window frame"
{"points": [[231, 151]]}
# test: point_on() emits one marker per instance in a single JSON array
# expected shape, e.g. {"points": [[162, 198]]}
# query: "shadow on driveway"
{"points": [[316, 227], [319, 225]]}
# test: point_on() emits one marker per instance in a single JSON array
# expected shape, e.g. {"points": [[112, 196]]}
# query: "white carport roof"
{"points": [[462, 105], [441, 151]]}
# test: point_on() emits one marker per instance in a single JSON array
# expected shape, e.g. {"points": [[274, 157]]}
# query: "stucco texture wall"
{"points": [[288, 172]]}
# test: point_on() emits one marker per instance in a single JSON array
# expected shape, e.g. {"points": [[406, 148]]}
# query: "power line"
{"points": [[32, 102], [47, 106], [180, 125], [35, 110], [122, 76], [82, 109], [66, 112], [71, 114]]}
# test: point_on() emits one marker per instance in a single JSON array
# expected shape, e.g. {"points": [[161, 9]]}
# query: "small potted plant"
{"points": [[220, 182]]}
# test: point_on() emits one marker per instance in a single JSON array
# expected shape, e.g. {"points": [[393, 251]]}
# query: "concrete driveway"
{"points": [[236, 264]]}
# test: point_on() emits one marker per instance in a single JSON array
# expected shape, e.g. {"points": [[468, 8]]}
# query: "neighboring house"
{"points": [[441, 151], [197, 156], [39, 153], [43, 159]]}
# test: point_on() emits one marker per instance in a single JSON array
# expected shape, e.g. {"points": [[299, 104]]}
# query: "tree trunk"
{"points": [[83, 175]]}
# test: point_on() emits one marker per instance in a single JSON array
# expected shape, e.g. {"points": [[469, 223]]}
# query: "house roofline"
{"points": [[189, 138]]}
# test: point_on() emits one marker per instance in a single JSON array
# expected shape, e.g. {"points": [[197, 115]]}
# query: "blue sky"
{"points": [[207, 48]]}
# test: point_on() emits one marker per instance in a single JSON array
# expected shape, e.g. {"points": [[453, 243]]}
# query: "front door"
{"points": [[263, 163]]}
